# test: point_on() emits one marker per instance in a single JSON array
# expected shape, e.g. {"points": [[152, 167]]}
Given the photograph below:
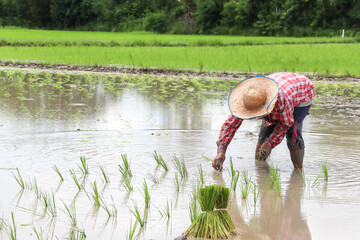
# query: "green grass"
{"points": [[166, 212], [104, 174], [137, 216], [323, 59], [146, 194], [325, 170], [68, 38], [95, 195], [76, 181], [84, 167], [125, 170], [177, 185]]}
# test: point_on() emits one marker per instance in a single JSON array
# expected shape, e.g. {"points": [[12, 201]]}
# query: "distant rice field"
{"points": [[323, 59], [27, 37]]}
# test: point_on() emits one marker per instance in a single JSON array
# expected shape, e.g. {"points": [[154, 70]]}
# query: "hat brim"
{"points": [[235, 102]]}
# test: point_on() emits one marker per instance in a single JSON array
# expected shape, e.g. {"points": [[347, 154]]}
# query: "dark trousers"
{"points": [[294, 138]]}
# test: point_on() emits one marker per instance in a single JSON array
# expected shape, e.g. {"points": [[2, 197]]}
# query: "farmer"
{"points": [[282, 100]]}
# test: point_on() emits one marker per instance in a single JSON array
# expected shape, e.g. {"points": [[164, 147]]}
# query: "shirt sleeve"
{"points": [[227, 132], [285, 123]]}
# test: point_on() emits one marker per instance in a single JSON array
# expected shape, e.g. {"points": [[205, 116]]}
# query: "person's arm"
{"points": [[227, 132]]}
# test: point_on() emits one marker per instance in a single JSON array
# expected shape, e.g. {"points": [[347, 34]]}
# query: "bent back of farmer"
{"points": [[282, 100]]}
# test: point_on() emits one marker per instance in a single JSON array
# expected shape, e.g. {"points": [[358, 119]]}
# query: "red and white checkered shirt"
{"points": [[293, 89]]}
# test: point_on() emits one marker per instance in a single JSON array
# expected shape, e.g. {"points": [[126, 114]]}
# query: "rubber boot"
{"points": [[258, 146], [297, 157]]}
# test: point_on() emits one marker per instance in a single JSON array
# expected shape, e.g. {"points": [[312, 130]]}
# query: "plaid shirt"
{"points": [[293, 90]]}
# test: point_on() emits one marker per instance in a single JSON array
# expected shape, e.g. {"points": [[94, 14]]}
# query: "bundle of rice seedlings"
{"points": [[214, 222]]}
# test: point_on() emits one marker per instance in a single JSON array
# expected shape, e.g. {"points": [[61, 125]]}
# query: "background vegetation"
{"points": [[245, 17]]}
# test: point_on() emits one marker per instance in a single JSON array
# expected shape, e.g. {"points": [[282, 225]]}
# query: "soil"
{"points": [[322, 100]]}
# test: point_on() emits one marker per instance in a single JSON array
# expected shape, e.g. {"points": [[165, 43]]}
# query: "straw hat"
{"points": [[253, 97]]}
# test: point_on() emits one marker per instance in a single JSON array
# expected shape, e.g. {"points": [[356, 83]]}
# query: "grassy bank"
{"points": [[27, 37], [321, 59]]}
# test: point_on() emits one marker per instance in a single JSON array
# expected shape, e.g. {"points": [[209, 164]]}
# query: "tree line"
{"points": [[246, 17]]}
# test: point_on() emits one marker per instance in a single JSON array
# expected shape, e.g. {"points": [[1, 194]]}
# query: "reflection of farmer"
{"points": [[282, 101], [277, 219]]}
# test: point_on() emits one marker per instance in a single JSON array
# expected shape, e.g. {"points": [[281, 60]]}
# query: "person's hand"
{"points": [[218, 161], [264, 151]]}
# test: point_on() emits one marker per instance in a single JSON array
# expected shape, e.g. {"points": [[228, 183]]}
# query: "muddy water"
{"points": [[49, 125]]}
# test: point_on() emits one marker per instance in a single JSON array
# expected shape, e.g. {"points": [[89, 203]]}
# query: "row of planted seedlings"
{"points": [[50, 206], [199, 199]]}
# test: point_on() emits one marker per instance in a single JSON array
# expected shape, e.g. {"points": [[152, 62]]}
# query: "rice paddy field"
{"points": [[116, 156]]}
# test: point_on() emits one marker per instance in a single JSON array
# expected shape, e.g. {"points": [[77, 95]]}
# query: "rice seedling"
{"points": [[256, 193], [201, 174], [160, 161], [131, 231], [95, 195], [77, 234], [194, 208], [76, 181], [234, 180], [52, 206], [325, 170], [111, 212], [212, 224], [166, 212], [35, 188], [84, 167], [275, 179], [70, 211], [126, 183], [39, 235], [12, 228], [180, 166], [245, 190], [137, 216], [153, 178], [232, 170], [19, 179], [207, 158], [177, 185], [316, 182], [58, 172], [2, 224], [125, 170], [104, 175], [146, 194]]}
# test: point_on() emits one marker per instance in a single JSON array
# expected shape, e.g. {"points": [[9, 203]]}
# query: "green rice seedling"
{"points": [[70, 211], [39, 235], [177, 185], [2, 224], [126, 183], [167, 211], [256, 193], [58, 172], [160, 161], [232, 170], [207, 158], [245, 176], [325, 170], [19, 179], [316, 182], [76, 181], [222, 198], [125, 170], [77, 234], [180, 166], [84, 167], [104, 175], [193, 206], [111, 212], [35, 188], [275, 179], [131, 231], [153, 178], [245, 190], [146, 195], [12, 228], [95, 195], [201, 174], [137, 216], [52, 206], [212, 224], [234, 180]]}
